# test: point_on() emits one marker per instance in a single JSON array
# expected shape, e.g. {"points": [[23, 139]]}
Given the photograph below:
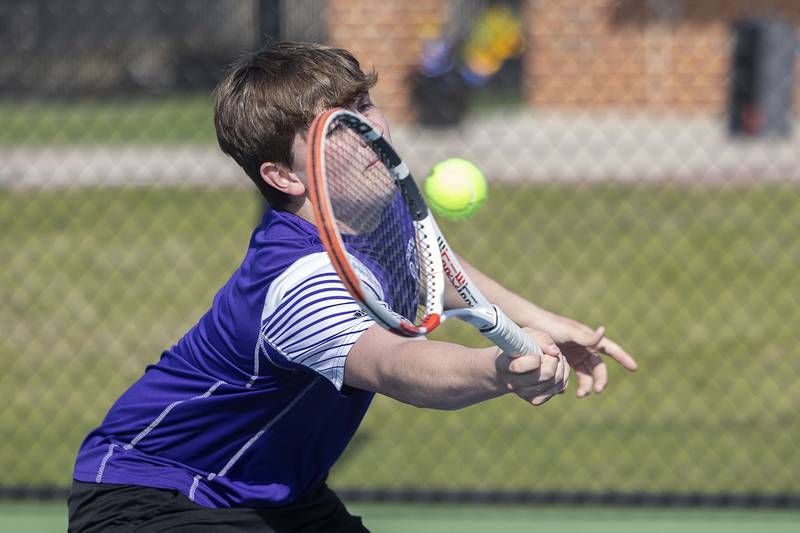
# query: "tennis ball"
{"points": [[455, 188]]}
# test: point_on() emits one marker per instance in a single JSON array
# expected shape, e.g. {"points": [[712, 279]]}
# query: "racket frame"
{"points": [[487, 318], [331, 237]]}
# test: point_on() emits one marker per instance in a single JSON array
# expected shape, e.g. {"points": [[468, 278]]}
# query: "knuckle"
{"points": [[545, 337]]}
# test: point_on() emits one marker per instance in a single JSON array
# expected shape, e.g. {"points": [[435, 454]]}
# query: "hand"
{"points": [[582, 348], [533, 378]]}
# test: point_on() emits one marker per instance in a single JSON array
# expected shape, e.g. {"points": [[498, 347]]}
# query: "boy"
{"points": [[238, 424]]}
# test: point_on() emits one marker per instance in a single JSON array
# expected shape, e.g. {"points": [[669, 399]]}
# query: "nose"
{"points": [[378, 122]]}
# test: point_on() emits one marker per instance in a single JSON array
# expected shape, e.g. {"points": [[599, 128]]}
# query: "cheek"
{"points": [[299, 172], [299, 167], [380, 119]]}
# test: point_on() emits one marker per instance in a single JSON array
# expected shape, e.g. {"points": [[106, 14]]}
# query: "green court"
{"points": [[394, 518]]}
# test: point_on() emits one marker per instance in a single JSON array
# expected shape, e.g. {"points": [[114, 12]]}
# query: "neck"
{"points": [[302, 209]]}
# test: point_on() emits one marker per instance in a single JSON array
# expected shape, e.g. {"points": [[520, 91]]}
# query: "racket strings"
{"points": [[428, 260], [375, 224]]}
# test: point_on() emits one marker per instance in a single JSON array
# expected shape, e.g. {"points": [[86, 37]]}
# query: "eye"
{"points": [[365, 104]]}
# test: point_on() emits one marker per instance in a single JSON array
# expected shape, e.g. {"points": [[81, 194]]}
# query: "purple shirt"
{"points": [[248, 409]]}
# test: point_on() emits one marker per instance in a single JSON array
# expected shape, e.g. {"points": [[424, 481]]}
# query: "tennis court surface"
{"points": [[401, 518]]}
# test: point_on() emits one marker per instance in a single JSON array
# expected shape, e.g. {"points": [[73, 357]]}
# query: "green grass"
{"points": [[390, 518], [700, 285], [118, 120]]}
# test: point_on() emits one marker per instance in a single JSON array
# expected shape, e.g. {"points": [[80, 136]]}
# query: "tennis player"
{"points": [[237, 425]]}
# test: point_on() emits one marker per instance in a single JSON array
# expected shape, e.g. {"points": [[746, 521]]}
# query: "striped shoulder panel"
{"points": [[311, 319]]}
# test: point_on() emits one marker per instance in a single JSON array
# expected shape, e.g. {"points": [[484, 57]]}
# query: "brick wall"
{"points": [[633, 54], [662, 55], [384, 35]]}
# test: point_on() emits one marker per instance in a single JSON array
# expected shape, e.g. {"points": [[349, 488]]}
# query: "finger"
{"points": [[544, 340], [600, 375], [560, 379], [535, 390], [549, 393], [540, 400], [525, 364], [591, 338], [592, 361], [562, 371], [551, 349], [545, 378], [549, 367], [567, 372], [584, 381], [615, 351]]}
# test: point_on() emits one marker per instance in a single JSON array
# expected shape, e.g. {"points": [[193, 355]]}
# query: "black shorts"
{"points": [[96, 507]]}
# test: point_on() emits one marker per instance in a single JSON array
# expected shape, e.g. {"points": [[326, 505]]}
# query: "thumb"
{"points": [[524, 364], [592, 338]]}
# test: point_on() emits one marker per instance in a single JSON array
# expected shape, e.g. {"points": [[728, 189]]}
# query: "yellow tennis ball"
{"points": [[455, 188]]}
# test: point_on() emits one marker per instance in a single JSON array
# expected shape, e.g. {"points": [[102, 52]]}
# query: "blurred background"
{"points": [[644, 174]]}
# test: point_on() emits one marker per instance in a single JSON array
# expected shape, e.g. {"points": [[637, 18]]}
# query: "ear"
{"points": [[281, 178]]}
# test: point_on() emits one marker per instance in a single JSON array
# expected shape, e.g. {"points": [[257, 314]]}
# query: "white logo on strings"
{"points": [[412, 258]]}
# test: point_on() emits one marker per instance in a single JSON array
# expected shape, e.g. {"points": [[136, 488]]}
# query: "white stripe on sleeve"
{"points": [[311, 319]]}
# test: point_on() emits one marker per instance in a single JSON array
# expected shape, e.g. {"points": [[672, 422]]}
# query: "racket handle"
{"points": [[495, 325], [509, 337]]}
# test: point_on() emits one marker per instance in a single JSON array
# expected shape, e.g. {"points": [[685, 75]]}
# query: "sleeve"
{"points": [[309, 318]]}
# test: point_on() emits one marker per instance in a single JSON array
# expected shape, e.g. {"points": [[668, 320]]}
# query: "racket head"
{"points": [[374, 224]]}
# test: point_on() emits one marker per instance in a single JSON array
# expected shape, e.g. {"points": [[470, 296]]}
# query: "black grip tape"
{"points": [[385, 151]]}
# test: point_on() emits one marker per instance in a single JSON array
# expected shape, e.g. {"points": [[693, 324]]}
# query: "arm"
{"points": [[516, 307], [441, 375], [579, 343]]}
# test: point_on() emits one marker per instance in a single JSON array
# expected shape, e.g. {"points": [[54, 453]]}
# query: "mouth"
{"points": [[372, 164]]}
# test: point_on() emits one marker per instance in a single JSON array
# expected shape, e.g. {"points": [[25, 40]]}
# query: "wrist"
{"points": [[499, 381], [540, 319]]}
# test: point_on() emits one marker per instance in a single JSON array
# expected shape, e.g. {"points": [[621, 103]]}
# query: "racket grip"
{"points": [[509, 337]]}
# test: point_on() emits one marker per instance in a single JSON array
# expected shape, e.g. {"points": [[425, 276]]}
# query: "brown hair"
{"points": [[270, 95]]}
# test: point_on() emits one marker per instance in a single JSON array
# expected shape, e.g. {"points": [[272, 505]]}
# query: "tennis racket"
{"points": [[382, 239]]}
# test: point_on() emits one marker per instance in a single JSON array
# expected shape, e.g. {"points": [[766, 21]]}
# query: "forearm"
{"points": [[526, 313], [436, 375], [516, 307]]}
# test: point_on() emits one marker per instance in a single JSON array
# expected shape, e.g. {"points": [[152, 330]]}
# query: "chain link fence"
{"points": [[643, 175]]}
